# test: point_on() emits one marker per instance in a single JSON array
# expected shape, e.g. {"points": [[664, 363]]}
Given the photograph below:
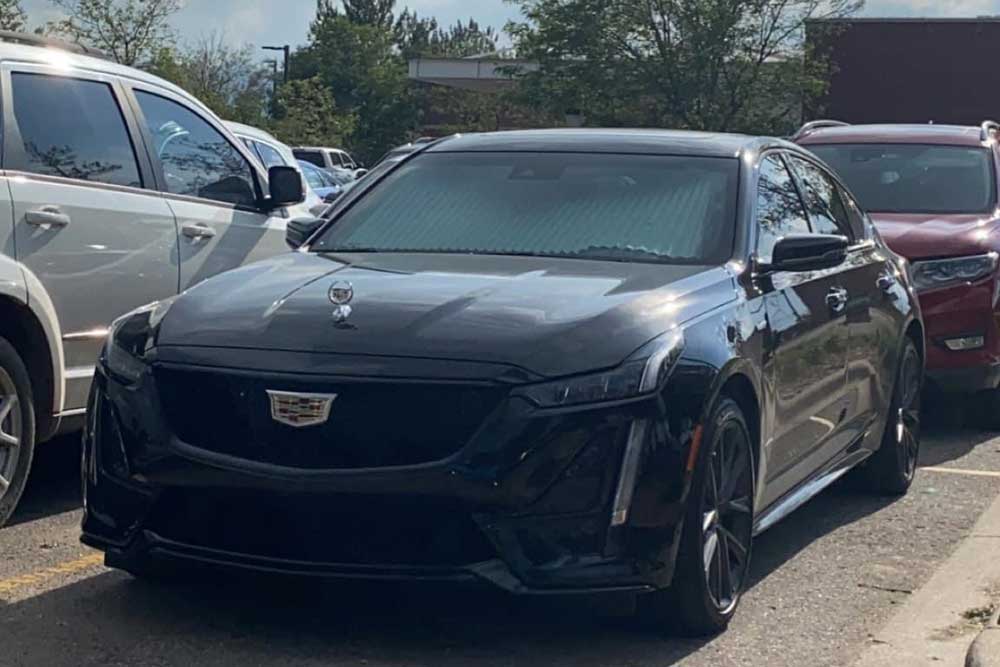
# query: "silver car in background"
{"points": [[121, 189]]}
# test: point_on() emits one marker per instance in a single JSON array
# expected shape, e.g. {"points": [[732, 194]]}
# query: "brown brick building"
{"points": [[910, 70]]}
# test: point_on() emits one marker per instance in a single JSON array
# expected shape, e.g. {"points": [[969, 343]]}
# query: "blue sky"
{"points": [[287, 21]]}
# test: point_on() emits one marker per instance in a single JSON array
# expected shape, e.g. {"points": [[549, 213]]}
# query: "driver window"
{"points": [[779, 208], [197, 160]]}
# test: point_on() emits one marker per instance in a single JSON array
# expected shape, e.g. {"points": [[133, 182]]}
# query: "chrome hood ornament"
{"points": [[341, 293]]}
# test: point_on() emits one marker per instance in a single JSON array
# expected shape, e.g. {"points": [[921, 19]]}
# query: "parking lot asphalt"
{"points": [[823, 582]]}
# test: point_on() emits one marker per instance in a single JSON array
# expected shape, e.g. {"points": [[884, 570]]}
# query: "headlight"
{"points": [[942, 272], [643, 374], [131, 336]]}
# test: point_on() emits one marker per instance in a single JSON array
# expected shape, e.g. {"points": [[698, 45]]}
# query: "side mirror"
{"points": [[284, 186], [299, 230], [807, 252]]}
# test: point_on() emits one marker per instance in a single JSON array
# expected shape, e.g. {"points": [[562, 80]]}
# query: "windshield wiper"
{"points": [[618, 253], [343, 250]]}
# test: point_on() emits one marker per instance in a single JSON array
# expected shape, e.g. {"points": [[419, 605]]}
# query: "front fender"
{"points": [[720, 348]]}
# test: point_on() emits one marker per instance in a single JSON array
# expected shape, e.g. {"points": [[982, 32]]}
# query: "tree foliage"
{"points": [[423, 37], [365, 12], [12, 16], [130, 31], [229, 79], [361, 65], [307, 115], [702, 64]]}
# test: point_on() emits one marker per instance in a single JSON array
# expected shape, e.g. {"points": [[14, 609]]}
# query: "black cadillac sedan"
{"points": [[553, 361]]}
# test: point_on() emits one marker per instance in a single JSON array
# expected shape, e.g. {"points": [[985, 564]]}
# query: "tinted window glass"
{"points": [[915, 178], [779, 208], [197, 160], [72, 128], [271, 156], [826, 210], [614, 207], [315, 157], [854, 215]]}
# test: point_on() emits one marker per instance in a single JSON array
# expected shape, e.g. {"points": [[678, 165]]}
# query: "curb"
{"points": [[985, 651]]}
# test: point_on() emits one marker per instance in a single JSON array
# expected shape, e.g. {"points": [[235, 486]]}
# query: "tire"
{"points": [[17, 429], [891, 469], [699, 602]]}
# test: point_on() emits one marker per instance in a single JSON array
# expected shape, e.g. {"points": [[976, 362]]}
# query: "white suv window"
{"points": [[197, 160], [71, 128]]}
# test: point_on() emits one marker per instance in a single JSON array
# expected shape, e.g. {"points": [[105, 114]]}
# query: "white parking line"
{"points": [[962, 471]]}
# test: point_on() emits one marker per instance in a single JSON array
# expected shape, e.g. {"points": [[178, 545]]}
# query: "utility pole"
{"points": [[287, 50]]}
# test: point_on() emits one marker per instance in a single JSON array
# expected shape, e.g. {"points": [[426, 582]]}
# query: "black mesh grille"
{"points": [[362, 530], [371, 424]]}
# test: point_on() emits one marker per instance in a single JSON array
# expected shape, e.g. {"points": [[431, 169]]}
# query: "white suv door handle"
{"points": [[197, 231], [836, 299], [47, 216]]}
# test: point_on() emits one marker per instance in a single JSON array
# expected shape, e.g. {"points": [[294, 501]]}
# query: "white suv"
{"points": [[120, 189], [328, 158]]}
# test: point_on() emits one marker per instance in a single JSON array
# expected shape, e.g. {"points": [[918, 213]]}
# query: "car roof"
{"points": [[961, 135], [67, 59], [652, 142], [250, 131], [319, 148]]}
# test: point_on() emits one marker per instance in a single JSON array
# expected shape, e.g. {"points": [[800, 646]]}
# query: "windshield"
{"points": [[915, 178], [598, 206]]}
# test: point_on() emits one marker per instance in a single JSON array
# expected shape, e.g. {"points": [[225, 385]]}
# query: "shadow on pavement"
{"points": [[268, 621], [54, 484], [212, 619]]}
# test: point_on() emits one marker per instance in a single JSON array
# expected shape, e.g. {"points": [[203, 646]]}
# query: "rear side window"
{"points": [[197, 160], [315, 157], [779, 208], [826, 209], [71, 128]]}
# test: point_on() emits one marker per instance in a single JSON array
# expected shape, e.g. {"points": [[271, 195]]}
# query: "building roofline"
{"points": [[909, 19]]}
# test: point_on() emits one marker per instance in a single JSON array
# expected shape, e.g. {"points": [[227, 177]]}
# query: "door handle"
{"points": [[47, 216], [197, 231], [836, 299]]}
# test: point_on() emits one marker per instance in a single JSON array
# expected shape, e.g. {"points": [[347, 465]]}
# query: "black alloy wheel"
{"points": [[714, 555], [891, 469]]}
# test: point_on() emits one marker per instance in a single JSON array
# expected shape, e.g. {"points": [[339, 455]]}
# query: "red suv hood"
{"points": [[920, 236]]}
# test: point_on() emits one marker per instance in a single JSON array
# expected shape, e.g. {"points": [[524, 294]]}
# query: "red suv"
{"points": [[932, 193]]}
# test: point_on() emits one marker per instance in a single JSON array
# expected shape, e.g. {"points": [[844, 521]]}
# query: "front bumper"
{"points": [[960, 311], [525, 505]]}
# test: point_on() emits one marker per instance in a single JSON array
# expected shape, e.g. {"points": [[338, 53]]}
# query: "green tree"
{"points": [[226, 78], [414, 34], [463, 40], [700, 64], [307, 115], [130, 31], [367, 76], [367, 12], [12, 16]]}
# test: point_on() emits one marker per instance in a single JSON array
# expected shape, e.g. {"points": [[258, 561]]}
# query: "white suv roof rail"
{"points": [[814, 125], [29, 39]]}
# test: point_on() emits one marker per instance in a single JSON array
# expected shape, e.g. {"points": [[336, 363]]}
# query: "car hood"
{"points": [[923, 236], [549, 316]]}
